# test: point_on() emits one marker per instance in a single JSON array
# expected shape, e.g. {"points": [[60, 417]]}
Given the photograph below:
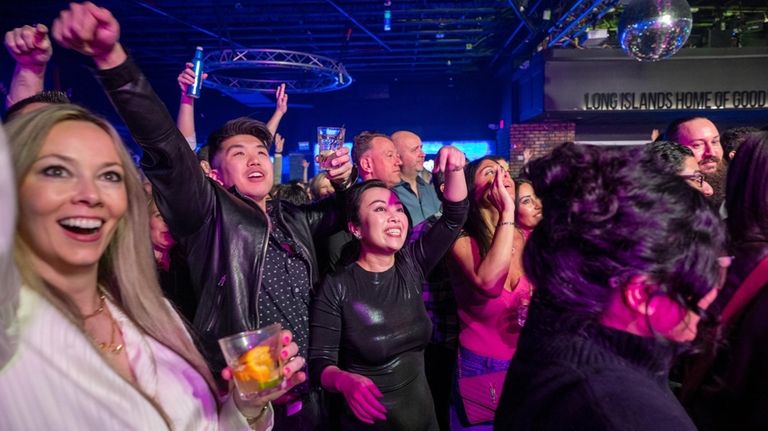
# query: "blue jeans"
{"points": [[471, 364]]}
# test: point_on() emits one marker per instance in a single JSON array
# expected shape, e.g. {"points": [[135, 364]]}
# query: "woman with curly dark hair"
{"points": [[625, 261]]}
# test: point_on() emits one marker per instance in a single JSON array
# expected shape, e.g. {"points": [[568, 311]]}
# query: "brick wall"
{"points": [[535, 140]]}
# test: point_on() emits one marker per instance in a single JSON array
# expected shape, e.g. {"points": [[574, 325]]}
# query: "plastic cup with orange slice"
{"points": [[254, 357]]}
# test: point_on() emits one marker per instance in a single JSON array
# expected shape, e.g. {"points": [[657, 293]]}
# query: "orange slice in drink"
{"points": [[256, 365]]}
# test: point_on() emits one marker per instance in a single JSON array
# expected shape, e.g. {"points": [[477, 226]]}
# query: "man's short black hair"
{"points": [[238, 126], [52, 97]]}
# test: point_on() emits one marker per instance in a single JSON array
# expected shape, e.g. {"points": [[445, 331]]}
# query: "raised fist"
{"points": [[88, 29], [29, 46]]}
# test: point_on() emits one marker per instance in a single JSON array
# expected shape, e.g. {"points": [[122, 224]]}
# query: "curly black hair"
{"points": [[608, 215], [668, 154]]}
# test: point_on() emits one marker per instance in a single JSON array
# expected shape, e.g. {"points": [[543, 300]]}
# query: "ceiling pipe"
{"points": [[515, 7], [573, 23], [512, 36], [360, 26], [597, 19]]}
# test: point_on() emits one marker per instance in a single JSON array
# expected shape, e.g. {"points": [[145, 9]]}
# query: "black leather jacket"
{"points": [[223, 233]]}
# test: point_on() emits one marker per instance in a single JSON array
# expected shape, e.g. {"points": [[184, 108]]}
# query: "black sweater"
{"points": [[570, 373], [734, 395]]}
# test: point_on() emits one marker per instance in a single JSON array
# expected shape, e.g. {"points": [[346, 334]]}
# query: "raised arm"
{"points": [[304, 169], [185, 121], [281, 107], [489, 273], [430, 248], [451, 161], [184, 196], [278, 164], [31, 48]]}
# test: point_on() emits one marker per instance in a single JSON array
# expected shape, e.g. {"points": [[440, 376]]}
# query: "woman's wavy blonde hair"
{"points": [[127, 269]]}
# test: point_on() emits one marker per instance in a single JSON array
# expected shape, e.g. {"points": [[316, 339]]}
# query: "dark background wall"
{"points": [[442, 109]]}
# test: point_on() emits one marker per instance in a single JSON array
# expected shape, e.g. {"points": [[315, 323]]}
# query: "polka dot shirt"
{"points": [[285, 286]]}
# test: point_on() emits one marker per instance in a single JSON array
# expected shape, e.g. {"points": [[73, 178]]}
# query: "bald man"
{"points": [[417, 195]]}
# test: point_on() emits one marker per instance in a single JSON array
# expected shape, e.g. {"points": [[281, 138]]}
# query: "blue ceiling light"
{"points": [[387, 20]]}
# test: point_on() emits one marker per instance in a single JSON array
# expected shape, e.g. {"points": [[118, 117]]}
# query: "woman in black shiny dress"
{"points": [[368, 325]]}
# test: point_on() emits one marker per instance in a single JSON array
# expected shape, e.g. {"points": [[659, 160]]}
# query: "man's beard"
{"points": [[717, 180]]}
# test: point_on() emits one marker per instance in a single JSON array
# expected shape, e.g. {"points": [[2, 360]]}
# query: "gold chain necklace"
{"points": [[111, 347], [98, 310]]}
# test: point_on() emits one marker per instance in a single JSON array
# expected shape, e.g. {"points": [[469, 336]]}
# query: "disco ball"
{"points": [[652, 30]]}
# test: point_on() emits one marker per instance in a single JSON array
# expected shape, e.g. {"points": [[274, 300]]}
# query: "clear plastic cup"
{"points": [[254, 358]]}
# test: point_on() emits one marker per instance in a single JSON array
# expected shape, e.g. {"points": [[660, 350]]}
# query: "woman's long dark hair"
{"points": [[746, 197], [476, 226]]}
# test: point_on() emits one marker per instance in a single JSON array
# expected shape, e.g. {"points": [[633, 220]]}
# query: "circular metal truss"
{"points": [[301, 72]]}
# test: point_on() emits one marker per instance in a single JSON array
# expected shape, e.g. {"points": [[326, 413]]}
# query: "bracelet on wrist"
{"points": [[506, 223], [253, 420]]}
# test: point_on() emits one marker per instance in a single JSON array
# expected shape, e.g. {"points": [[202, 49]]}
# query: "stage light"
{"points": [[387, 20]]}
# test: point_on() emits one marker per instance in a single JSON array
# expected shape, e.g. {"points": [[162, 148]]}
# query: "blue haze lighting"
{"points": [[473, 149]]}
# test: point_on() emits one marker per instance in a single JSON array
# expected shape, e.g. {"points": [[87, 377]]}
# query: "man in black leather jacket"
{"points": [[252, 262]]}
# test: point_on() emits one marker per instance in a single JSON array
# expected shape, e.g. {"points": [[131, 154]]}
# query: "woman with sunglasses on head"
{"points": [[97, 344], [625, 262], [368, 322]]}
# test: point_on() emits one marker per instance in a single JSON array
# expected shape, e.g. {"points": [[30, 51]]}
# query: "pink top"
{"points": [[490, 326]]}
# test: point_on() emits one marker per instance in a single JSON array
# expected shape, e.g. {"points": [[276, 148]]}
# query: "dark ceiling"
{"points": [[427, 39]]}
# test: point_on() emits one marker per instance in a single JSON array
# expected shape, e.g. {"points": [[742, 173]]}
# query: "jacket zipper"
{"points": [[260, 269]]}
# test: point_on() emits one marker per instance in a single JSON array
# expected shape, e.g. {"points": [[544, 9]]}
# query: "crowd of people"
{"points": [[599, 288]]}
